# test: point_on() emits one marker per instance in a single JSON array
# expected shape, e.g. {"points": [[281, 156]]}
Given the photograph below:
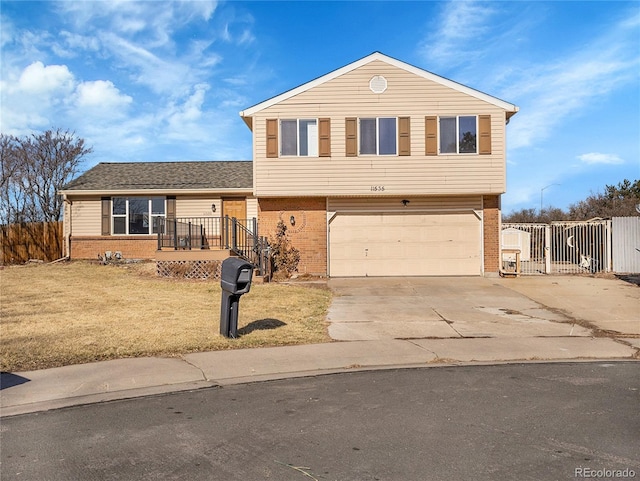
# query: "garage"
{"points": [[405, 244]]}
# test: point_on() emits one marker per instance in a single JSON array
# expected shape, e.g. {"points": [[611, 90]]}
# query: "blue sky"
{"points": [[160, 80]]}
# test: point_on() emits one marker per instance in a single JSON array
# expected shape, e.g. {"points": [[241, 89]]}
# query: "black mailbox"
{"points": [[236, 276], [235, 280]]}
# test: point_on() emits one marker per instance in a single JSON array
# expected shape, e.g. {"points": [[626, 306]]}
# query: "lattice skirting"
{"points": [[209, 269]]}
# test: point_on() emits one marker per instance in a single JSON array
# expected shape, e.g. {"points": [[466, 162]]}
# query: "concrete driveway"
{"points": [[464, 307]]}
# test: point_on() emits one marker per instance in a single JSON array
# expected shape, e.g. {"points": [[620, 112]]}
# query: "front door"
{"points": [[235, 208]]}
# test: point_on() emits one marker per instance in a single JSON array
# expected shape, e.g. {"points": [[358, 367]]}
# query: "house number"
{"points": [[377, 188]]}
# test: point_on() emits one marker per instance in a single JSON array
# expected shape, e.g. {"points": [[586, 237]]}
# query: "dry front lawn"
{"points": [[77, 312]]}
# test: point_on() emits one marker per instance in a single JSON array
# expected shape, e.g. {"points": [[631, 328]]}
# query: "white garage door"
{"points": [[405, 244]]}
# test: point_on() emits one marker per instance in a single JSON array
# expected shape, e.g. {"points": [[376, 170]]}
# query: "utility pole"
{"points": [[541, 191]]}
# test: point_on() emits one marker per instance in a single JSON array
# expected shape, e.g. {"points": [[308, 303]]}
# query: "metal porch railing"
{"points": [[240, 236]]}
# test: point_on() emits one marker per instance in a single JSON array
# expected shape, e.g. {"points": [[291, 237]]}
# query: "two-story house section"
{"points": [[380, 168]]}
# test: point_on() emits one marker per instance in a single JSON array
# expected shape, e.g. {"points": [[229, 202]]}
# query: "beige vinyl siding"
{"points": [[86, 217], [197, 207], [252, 208], [407, 95]]}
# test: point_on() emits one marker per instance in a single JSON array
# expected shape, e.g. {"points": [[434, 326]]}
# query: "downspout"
{"points": [[67, 235]]}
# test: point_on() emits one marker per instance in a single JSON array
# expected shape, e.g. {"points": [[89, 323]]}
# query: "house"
{"points": [[378, 168], [123, 207]]}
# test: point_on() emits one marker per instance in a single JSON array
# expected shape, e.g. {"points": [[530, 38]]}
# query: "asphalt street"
{"points": [[546, 421]]}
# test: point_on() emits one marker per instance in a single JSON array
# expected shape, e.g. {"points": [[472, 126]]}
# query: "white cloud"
{"points": [[548, 94], [461, 26], [156, 20], [598, 158], [30, 96], [7, 32], [38, 79], [102, 94], [185, 121], [164, 57]]}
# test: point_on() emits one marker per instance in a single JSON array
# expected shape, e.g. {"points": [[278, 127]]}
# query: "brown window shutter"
{"points": [[171, 207], [324, 134], [351, 129], [171, 216], [431, 135], [484, 123], [272, 137], [404, 134], [106, 215]]}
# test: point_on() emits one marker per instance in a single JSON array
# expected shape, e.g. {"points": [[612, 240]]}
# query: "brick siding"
{"points": [[308, 235], [491, 208], [132, 247]]}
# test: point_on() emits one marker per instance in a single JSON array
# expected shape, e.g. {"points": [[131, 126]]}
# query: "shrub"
{"points": [[285, 256]]}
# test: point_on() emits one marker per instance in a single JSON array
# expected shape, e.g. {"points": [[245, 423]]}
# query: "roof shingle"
{"points": [[165, 176]]}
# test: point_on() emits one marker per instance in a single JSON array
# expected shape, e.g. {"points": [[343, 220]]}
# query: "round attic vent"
{"points": [[378, 84]]}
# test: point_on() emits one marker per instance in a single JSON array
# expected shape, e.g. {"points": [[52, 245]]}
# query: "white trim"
{"points": [[159, 192], [457, 136], [392, 61], [378, 136], [313, 142]]}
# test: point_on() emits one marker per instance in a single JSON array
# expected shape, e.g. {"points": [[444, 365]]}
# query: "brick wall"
{"points": [[491, 208], [308, 235], [132, 247]]}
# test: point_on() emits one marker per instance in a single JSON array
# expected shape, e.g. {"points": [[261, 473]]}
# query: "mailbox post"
{"points": [[235, 280]]}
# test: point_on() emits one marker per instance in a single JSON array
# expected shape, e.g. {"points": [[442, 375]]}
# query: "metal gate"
{"points": [[526, 243], [558, 248], [626, 244]]}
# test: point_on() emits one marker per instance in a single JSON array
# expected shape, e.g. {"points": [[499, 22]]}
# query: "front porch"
{"points": [[196, 246]]}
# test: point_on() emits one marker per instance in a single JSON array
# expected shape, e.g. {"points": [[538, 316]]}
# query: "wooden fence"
{"points": [[34, 240]]}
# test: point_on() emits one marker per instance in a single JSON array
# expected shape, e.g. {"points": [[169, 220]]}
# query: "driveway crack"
{"points": [[450, 323]]}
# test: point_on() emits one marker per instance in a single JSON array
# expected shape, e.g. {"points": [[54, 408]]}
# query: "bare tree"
{"points": [[525, 216], [37, 166], [616, 201], [12, 196]]}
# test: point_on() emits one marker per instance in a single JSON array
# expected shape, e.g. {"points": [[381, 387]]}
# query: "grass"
{"points": [[70, 313]]}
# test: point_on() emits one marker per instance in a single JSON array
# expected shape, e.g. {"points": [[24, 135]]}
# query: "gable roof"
{"points": [[508, 107], [165, 177]]}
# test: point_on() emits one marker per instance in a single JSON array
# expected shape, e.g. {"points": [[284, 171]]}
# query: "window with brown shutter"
{"points": [[324, 135], [484, 125], [404, 136], [272, 138], [431, 135], [351, 130], [106, 215]]}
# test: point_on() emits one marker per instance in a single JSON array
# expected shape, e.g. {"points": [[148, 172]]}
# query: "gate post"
{"points": [[609, 257], [547, 249]]}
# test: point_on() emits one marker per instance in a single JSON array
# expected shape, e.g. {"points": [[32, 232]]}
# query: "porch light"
{"points": [[405, 202], [213, 207], [292, 220]]}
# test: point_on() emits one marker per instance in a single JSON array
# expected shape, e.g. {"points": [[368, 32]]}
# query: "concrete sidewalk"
{"points": [[606, 308]]}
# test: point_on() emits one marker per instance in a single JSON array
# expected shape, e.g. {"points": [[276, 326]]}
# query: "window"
{"points": [[299, 137], [378, 136], [458, 135], [137, 215]]}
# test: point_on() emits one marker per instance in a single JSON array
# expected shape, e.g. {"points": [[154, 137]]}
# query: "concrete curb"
{"points": [[56, 388]]}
